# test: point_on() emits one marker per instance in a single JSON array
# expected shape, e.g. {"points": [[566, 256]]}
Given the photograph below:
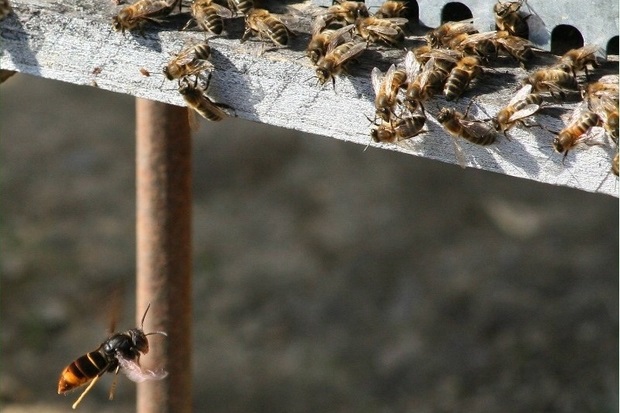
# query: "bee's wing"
{"points": [[521, 94], [424, 75], [222, 11], [458, 152], [138, 374], [339, 34], [589, 50], [399, 21], [376, 77], [478, 37], [524, 112], [412, 66], [381, 29], [478, 128], [351, 53], [572, 117], [318, 24], [152, 8], [444, 54], [389, 79], [185, 57]]}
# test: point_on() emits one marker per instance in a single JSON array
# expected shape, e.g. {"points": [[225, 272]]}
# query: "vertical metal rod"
{"points": [[163, 179]]}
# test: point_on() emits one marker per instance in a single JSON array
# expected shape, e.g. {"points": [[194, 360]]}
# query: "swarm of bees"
{"points": [[119, 352], [454, 59]]}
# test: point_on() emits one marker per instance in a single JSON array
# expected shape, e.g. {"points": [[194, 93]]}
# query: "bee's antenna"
{"points": [[142, 324], [144, 316]]}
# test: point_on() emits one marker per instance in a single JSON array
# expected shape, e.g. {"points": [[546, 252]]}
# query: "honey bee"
{"points": [[458, 125], [376, 30], [614, 164], [602, 98], [482, 45], [422, 84], [386, 90], [508, 18], [596, 92], [209, 15], [197, 99], [135, 15], [579, 59], [444, 34], [189, 62], [320, 40], [346, 12], [523, 104], [5, 9], [555, 80], [520, 49], [581, 123], [261, 23], [466, 69], [399, 129], [242, 6], [445, 59], [611, 123], [392, 9], [336, 58], [120, 352]]}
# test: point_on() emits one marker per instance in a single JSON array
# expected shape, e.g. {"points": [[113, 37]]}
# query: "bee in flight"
{"points": [[135, 15], [120, 352]]}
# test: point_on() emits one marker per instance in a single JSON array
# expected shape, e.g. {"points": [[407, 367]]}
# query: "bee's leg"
{"points": [[188, 24], [246, 34], [92, 383], [113, 386], [471, 101]]}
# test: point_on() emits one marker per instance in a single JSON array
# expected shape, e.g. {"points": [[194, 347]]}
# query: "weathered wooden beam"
{"points": [[74, 42]]}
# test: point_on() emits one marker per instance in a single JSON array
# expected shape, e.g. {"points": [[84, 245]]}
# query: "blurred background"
{"points": [[326, 277]]}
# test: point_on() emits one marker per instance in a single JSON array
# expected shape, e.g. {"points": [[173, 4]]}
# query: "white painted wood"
{"points": [[74, 42]]}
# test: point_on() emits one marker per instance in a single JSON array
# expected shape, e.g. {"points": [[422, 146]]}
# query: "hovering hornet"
{"points": [[120, 352]]}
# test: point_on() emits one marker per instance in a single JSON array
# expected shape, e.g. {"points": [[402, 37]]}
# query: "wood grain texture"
{"points": [[74, 42]]}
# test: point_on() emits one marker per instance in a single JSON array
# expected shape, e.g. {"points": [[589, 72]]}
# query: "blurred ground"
{"points": [[326, 277]]}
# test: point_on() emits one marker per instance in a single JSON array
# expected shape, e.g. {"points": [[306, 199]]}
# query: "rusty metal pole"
{"points": [[163, 179]]}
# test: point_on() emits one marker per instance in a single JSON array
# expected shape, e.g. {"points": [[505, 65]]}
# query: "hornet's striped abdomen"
{"points": [[84, 369]]}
